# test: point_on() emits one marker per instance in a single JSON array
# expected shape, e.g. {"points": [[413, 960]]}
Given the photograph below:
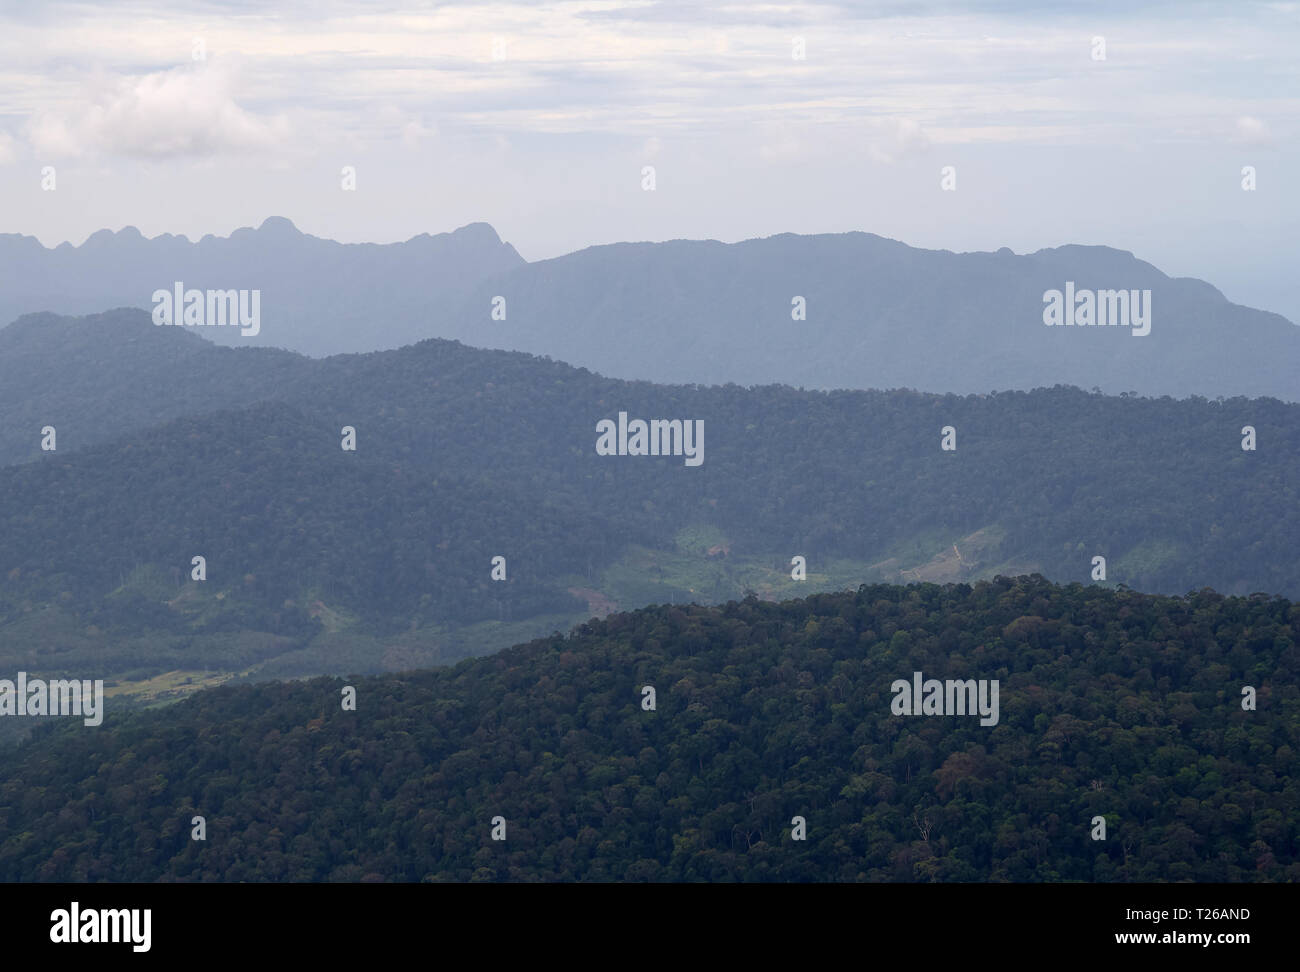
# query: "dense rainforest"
{"points": [[1113, 704], [169, 447]]}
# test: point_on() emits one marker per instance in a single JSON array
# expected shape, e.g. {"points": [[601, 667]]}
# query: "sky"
{"points": [[1126, 124]]}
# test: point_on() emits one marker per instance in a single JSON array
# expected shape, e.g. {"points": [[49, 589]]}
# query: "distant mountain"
{"points": [[278, 511], [317, 296], [103, 376], [464, 454], [770, 720], [879, 314]]}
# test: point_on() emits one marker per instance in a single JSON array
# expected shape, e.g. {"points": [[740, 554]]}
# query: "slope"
{"points": [[1113, 705]]}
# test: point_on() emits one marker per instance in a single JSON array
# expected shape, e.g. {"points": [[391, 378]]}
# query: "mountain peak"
{"points": [[279, 225], [478, 231]]}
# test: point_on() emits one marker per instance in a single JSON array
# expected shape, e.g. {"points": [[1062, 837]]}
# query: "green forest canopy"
{"points": [[1113, 703]]}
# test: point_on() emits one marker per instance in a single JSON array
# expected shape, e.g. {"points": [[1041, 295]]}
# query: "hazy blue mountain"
{"points": [[326, 561], [102, 376], [317, 296], [880, 314], [169, 446]]}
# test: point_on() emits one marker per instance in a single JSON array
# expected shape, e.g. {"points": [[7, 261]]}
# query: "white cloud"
{"points": [[414, 131], [185, 112], [7, 148], [1253, 131], [894, 138], [782, 145], [409, 129]]}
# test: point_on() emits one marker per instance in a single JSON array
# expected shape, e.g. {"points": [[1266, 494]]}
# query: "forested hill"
{"points": [[267, 497], [1044, 480], [1112, 704]]}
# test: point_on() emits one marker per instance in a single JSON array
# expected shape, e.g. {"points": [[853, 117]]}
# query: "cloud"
{"points": [[410, 129], [893, 138], [185, 112], [782, 144], [414, 131], [1252, 131], [7, 148]]}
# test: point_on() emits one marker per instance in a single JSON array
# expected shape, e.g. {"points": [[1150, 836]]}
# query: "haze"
{"points": [[1142, 151]]}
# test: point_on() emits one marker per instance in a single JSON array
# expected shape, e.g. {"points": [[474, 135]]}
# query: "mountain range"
{"points": [[326, 560], [427, 497], [318, 296], [873, 312]]}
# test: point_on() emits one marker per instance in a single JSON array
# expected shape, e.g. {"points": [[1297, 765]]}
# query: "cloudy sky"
{"points": [[200, 117]]}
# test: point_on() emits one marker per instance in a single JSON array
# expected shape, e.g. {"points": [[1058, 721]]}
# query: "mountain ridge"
{"points": [[1112, 706], [846, 310], [857, 481]]}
